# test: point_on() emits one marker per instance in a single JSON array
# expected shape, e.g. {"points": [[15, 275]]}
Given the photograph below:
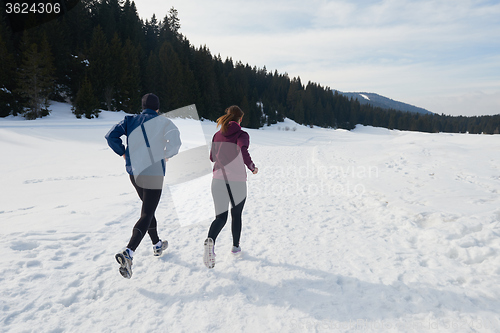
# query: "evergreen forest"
{"points": [[101, 56]]}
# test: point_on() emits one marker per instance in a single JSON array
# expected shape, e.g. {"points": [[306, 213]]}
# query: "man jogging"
{"points": [[151, 141]]}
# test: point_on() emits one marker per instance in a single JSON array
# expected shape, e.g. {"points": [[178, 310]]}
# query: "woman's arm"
{"points": [[243, 142]]}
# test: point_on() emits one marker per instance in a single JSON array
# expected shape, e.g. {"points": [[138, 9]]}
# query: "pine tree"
{"points": [[130, 24], [209, 103], [355, 113], [130, 92], [115, 67], [170, 26], [108, 17], [171, 79], [191, 93], [393, 120], [294, 95], [151, 33], [151, 76], [7, 70], [299, 112], [86, 102], [79, 24], [99, 59], [58, 39], [35, 77]]}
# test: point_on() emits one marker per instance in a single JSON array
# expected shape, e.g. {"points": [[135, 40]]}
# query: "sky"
{"points": [[441, 55]]}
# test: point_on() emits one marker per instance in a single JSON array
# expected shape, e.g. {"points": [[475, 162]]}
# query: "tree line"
{"points": [[101, 56]]}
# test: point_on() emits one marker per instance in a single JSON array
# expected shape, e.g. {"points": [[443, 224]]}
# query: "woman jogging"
{"points": [[151, 140], [229, 153]]}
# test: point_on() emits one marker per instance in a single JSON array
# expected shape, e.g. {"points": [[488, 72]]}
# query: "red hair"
{"points": [[233, 113]]}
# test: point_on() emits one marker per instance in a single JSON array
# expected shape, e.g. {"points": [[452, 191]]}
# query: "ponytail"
{"points": [[233, 113]]}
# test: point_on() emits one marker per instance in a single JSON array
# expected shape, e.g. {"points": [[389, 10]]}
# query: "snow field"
{"points": [[370, 230]]}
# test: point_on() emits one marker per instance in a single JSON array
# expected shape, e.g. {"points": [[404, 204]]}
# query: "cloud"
{"points": [[473, 103]]}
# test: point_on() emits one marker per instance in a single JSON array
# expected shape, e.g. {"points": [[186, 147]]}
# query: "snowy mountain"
{"points": [[383, 102], [369, 230]]}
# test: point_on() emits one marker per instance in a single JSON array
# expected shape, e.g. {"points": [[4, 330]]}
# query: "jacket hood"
{"points": [[233, 128]]}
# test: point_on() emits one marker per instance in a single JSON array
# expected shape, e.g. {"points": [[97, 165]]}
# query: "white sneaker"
{"points": [[236, 249], [158, 250], [125, 261], [209, 255]]}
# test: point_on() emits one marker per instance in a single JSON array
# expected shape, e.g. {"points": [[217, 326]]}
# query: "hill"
{"points": [[377, 100]]}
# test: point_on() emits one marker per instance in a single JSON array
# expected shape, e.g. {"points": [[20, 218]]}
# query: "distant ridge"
{"points": [[383, 102]]}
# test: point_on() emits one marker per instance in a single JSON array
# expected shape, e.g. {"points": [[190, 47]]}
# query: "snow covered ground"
{"points": [[370, 230]]}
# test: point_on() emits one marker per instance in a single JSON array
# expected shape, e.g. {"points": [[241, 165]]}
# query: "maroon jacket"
{"points": [[230, 151]]}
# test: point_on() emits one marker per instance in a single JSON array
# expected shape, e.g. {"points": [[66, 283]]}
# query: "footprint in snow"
{"points": [[33, 263], [23, 245]]}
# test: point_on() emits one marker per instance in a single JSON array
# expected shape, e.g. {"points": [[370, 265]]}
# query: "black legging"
{"points": [[221, 202], [147, 221]]}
